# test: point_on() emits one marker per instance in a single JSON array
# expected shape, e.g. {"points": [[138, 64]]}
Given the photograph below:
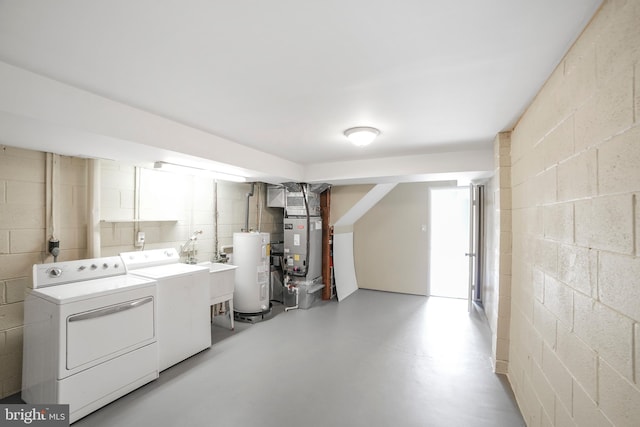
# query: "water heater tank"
{"points": [[251, 255]]}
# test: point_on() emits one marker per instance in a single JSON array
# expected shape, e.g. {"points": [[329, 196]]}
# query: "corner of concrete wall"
{"points": [[497, 288]]}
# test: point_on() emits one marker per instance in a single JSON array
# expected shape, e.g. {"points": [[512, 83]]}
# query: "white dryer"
{"points": [[184, 326], [89, 334]]}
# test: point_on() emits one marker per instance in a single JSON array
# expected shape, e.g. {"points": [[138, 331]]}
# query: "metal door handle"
{"points": [[468, 254], [110, 310]]}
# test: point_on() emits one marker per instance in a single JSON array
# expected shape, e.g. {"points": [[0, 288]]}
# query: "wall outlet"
{"points": [[140, 239]]}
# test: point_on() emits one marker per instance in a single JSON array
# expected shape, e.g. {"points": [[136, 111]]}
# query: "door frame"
{"points": [[476, 243]]}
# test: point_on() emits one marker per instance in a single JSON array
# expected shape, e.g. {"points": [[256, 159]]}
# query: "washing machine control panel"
{"points": [[150, 258]]}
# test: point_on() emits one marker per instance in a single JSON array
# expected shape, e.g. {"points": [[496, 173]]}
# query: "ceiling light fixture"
{"points": [[362, 135], [173, 167]]}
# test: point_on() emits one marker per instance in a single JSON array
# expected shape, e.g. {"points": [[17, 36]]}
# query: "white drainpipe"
{"points": [[93, 208]]}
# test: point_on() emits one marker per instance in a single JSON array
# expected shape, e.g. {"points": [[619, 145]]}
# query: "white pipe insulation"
{"points": [[52, 209], [93, 208], [216, 241]]}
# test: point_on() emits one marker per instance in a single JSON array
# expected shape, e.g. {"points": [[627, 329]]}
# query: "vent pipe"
{"points": [[246, 214]]}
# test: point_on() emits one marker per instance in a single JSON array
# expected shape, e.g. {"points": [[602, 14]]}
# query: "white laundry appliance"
{"points": [[184, 327], [89, 334]]}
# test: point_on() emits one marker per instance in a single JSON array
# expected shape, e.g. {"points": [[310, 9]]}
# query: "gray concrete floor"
{"points": [[375, 359]]}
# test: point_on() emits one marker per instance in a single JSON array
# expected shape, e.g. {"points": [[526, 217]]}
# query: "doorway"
{"points": [[449, 242]]}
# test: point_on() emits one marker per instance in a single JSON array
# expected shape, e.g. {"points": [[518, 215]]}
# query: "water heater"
{"points": [[251, 255]]}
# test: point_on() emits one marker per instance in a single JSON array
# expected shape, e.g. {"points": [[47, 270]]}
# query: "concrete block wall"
{"points": [[490, 282], [575, 174], [498, 247], [24, 235], [117, 200], [71, 195]]}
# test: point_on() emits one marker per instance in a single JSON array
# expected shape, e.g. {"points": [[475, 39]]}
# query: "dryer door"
{"points": [[105, 332]]}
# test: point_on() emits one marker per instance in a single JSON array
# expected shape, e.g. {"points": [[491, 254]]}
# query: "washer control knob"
{"points": [[93, 266], [54, 272], [116, 265], [82, 267], [105, 265]]}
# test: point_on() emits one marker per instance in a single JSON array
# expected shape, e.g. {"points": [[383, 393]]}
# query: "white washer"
{"points": [[89, 334], [184, 326]]}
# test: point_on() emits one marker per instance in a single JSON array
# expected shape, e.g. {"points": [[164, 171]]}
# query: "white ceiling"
{"points": [[286, 77]]}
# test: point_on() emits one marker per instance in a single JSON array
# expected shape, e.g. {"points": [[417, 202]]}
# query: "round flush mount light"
{"points": [[361, 136]]}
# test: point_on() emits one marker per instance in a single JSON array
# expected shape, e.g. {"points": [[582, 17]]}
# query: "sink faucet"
{"points": [[191, 254]]}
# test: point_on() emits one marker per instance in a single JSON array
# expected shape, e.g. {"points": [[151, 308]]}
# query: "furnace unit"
{"points": [[303, 246]]}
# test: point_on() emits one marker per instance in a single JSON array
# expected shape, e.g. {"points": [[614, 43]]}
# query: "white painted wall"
{"points": [[344, 197], [343, 242], [463, 166], [391, 250]]}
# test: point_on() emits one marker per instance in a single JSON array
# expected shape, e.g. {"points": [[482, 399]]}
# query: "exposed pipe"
{"points": [[259, 208], [184, 249], [136, 203], [190, 241], [52, 170], [93, 208], [246, 216], [306, 206], [294, 289], [216, 252]]}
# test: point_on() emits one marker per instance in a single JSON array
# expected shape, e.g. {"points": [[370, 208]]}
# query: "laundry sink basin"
{"points": [[221, 279]]}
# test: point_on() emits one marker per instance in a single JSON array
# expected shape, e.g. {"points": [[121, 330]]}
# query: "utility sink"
{"points": [[221, 284], [222, 278]]}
